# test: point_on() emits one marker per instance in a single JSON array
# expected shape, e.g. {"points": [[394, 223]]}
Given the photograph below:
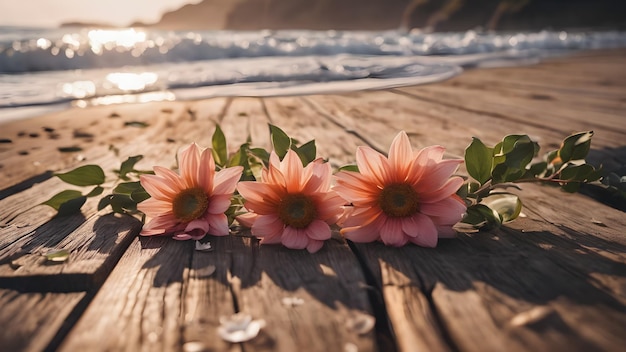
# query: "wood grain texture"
{"points": [[139, 306], [94, 248], [329, 283], [32, 321]]}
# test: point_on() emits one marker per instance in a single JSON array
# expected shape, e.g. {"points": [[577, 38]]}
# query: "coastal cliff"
{"points": [[441, 15]]}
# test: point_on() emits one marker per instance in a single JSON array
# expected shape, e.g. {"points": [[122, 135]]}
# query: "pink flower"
{"points": [[292, 204], [191, 204], [408, 197]]}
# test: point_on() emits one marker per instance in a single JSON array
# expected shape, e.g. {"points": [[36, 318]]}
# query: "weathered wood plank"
{"points": [[303, 122], [128, 128], [139, 306], [489, 293], [94, 248], [35, 321], [329, 283], [207, 296]]}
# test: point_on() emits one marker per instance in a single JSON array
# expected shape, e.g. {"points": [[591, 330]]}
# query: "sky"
{"points": [[51, 13]]}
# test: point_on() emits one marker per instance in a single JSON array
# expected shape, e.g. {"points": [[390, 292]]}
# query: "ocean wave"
{"points": [[39, 66]]}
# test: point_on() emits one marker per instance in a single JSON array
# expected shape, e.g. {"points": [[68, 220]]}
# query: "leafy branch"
{"points": [[508, 163]]}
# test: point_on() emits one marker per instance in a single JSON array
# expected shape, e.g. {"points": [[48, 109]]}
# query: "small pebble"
{"points": [[23, 152], [48, 129], [33, 135], [5, 140]]}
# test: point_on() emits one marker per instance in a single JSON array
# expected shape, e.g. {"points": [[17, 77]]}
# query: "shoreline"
{"points": [[62, 139]]}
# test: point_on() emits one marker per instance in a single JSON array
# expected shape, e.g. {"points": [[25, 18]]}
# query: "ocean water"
{"points": [[45, 69]]}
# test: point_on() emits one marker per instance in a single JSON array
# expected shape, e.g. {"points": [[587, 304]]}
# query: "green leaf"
{"points": [[280, 141], [218, 141], [139, 195], [95, 192], [576, 146], [307, 152], [261, 154], [352, 168], [539, 168], [519, 150], [577, 172], [62, 197], [104, 202], [507, 205], [480, 215], [503, 173], [479, 160], [127, 187], [128, 166], [88, 175], [571, 187]]}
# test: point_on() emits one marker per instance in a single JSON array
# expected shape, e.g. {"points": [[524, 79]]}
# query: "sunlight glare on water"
{"points": [[129, 82], [126, 38]]}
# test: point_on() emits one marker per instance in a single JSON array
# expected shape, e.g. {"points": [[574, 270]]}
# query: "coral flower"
{"points": [[191, 204], [292, 204], [408, 197]]}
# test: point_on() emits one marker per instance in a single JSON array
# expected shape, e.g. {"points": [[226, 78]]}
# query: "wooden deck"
{"points": [[554, 280]]}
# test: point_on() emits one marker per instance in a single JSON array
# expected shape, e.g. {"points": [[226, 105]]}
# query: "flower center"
{"points": [[398, 200], [297, 210], [190, 204]]}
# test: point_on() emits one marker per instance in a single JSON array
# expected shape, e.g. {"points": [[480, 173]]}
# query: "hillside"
{"points": [[393, 14]]}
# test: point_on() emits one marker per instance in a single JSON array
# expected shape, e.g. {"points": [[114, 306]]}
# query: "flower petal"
{"points": [[400, 156], [447, 211], [153, 207], [330, 207], [218, 224], [219, 204], [410, 227], [364, 233], [158, 187], [318, 230], [391, 233], [294, 238], [160, 225], [226, 180], [436, 175], [320, 178], [448, 189], [188, 161], [259, 192], [372, 165], [355, 188], [427, 236], [247, 219], [267, 225], [170, 176], [292, 168], [362, 216], [206, 172]]}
